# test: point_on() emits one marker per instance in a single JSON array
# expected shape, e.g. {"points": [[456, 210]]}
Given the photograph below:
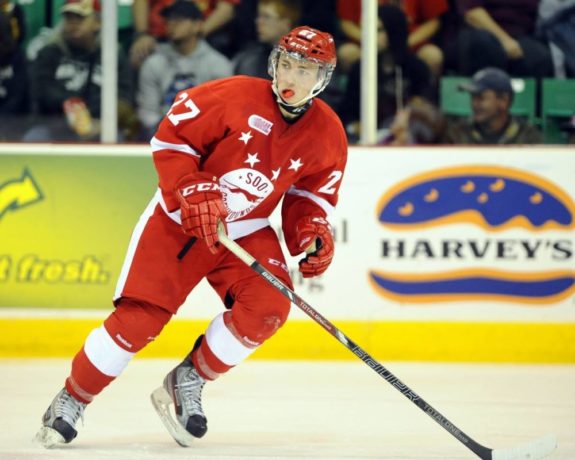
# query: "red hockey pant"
{"points": [[156, 279]]}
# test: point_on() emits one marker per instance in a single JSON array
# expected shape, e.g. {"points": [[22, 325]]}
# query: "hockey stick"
{"points": [[533, 450]]}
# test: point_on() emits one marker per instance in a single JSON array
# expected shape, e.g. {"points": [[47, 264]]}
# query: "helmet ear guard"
{"points": [[305, 43]]}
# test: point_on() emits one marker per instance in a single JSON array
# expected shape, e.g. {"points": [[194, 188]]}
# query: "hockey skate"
{"points": [[183, 388], [59, 421]]}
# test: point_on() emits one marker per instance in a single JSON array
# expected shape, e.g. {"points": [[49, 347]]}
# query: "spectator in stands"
{"points": [[491, 122], [499, 34], [401, 75], [66, 79], [13, 81], [419, 123], [423, 17], [275, 18], [186, 60], [150, 27], [319, 14]]}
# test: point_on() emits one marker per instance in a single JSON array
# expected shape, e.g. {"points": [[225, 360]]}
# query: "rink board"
{"points": [[484, 275]]}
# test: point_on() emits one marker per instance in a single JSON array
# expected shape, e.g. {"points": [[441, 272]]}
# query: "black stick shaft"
{"points": [[476, 448]]}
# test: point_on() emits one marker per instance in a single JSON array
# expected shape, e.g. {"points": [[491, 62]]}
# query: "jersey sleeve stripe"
{"points": [[324, 204], [158, 145]]}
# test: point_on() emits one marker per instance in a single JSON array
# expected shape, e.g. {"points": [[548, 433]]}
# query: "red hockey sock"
{"points": [[85, 380], [207, 363]]}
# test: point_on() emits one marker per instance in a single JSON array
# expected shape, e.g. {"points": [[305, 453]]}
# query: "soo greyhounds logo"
{"points": [[489, 265], [244, 189]]}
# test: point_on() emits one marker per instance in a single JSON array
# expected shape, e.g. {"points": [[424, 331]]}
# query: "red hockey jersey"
{"points": [[234, 129]]}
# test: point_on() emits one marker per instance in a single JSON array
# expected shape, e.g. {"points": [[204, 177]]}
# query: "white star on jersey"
{"points": [[252, 159], [245, 137], [295, 164], [276, 173]]}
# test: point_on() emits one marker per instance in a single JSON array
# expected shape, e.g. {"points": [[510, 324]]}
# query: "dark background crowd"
{"points": [[449, 71]]}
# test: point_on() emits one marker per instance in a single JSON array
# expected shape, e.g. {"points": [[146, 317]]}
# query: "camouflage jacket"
{"points": [[516, 132]]}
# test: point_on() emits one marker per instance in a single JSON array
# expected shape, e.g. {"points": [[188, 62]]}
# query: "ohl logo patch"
{"points": [[18, 193], [504, 234]]}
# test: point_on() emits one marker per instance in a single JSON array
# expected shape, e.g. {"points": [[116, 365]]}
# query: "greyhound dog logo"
{"points": [[494, 200], [249, 197]]}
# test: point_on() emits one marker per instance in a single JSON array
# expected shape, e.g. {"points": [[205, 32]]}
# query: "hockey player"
{"points": [[228, 150]]}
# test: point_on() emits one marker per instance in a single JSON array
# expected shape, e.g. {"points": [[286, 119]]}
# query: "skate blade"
{"points": [[161, 401], [49, 437]]}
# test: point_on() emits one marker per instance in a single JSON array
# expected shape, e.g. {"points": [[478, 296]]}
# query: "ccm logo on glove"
{"points": [[201, 187]]}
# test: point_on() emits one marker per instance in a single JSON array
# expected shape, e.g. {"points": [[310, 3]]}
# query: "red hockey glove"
{"points": [[201, 208], [315, 238]]}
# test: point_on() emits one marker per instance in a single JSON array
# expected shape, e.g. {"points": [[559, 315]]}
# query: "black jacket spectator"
{"points": [[68, 71], [499, 34]]}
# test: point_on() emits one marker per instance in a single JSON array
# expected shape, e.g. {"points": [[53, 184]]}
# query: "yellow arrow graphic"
{"points": [[18, 193]]}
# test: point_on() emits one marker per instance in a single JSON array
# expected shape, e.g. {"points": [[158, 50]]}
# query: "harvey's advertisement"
{"points": [[457, 234]]}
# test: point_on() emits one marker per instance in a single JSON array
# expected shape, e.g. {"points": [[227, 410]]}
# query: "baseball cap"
{"points": [[489, 78], [184, 9], [81, 7]]}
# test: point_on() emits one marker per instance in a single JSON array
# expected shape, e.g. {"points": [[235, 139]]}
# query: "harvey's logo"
{"points": [[498, 233]]}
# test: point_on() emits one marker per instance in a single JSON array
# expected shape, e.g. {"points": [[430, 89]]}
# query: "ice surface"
{"points": [[299, 410]]}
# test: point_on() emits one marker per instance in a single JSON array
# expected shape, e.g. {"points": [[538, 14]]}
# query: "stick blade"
{"points": [[539, 448]]}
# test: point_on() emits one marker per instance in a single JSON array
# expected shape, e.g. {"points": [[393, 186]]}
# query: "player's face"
{"points": [[295, 78]]}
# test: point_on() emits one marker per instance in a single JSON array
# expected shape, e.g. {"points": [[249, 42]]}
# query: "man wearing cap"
{"points": [[150, 27], [67, 76], [185, 61], [491, 122]]}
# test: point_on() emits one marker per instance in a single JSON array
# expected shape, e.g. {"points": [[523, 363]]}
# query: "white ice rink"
{"points": [[300, 410]]}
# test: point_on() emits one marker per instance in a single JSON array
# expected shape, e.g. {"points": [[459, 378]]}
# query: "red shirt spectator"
{"points": [[350, 10], [421, 11], [417, 11], [423, 23]]}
